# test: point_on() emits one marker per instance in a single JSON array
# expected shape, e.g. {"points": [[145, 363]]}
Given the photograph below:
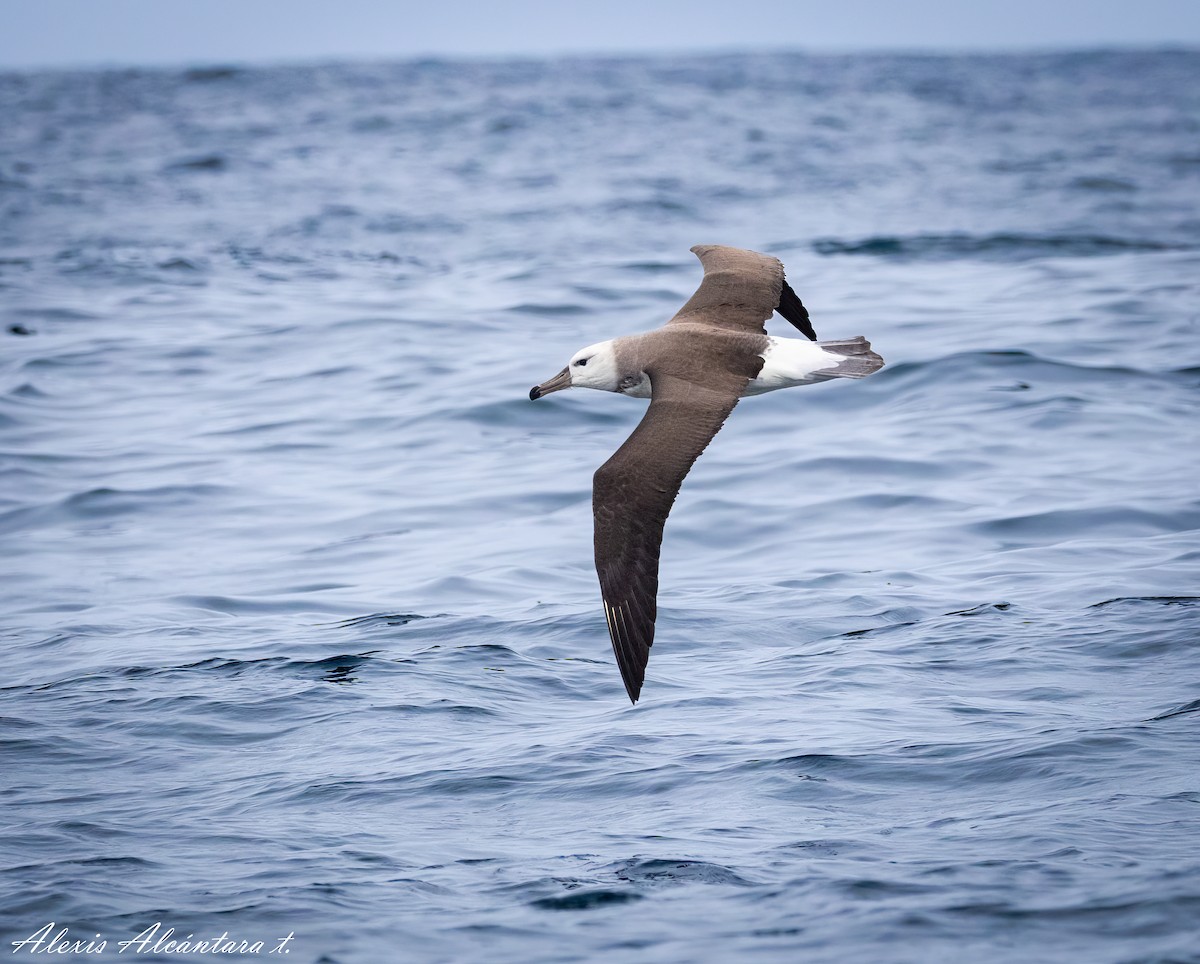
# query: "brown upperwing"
{"points": [[739, 291], [633, 492]]}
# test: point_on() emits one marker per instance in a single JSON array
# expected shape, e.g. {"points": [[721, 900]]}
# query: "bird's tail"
{"points": [[858, 361]]}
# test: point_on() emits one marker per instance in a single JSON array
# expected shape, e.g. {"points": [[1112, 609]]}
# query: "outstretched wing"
{"points": [[632, 494], [739, 291]]}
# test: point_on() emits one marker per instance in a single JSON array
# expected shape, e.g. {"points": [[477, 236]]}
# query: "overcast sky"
{"points": [[85, 32]]}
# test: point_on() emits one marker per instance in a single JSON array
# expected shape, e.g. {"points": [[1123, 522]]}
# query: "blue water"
{"points": [[300, 628]]}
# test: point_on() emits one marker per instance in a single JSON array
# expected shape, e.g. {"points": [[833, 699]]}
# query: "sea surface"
{"points": [[300, 631]]}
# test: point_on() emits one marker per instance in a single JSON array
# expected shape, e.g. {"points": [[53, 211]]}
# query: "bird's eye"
{"points": [[581, 362]]}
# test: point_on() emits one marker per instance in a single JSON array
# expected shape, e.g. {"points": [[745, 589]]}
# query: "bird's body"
{"points": [[694, 370]]}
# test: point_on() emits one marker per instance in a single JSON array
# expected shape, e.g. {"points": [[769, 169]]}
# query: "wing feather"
{"points": [[739, 291], [632, 495]]}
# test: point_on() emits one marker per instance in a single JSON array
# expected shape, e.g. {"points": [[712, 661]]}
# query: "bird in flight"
{"points": [[694, 369]]}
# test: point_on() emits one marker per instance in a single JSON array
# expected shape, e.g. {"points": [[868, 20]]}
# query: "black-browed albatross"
{"points": [[693, 369]]}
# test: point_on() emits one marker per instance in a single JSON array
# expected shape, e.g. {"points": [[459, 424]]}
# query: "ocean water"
{"points": [[301, 635]]}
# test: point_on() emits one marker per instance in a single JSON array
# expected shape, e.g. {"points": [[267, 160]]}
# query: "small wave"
{"points": [[104, 503], [398, 223], [206, 75], [441, 708], [208, 162], [1107, 185], [877, 466], [586, 899], [1119, 917], [1015, 247], [179, 264], [52, 314], [657, 871], [652, 267], [982, 609], [232, 667], [549, 310], [1117, 520], [1157, 600], [1187, 708], [1020, 365], [656, 207], [379, 619], [236, 605], [821, 848], [432, 783]]}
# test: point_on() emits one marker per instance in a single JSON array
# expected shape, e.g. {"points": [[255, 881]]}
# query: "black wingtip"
{"points": [[791, 307], [633, 686]]}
